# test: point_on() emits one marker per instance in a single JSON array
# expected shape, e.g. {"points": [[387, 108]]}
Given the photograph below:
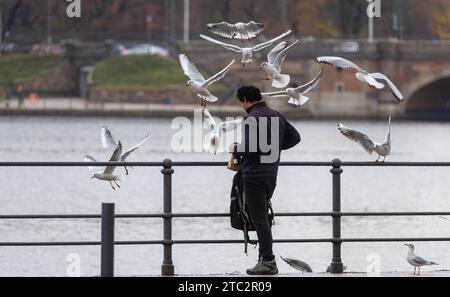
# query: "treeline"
{"points": [[162, 20]]}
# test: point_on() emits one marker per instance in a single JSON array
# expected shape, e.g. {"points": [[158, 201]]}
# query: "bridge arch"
{"points": [[430, 93]]}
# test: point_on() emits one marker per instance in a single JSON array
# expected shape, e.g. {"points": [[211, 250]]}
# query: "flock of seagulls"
{"points": [[273, 69], [411, 258]]}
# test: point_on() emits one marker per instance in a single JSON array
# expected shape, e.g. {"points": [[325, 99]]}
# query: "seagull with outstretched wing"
{"points": [[197, 82], [108, 141], [362, 75], [247, 52], [382, 149], [238, 30], [272, 67], [297, 95], [108, 173], [218, 129]]}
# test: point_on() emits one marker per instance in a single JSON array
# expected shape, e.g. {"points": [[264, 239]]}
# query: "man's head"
{"points": [[248, 95]]}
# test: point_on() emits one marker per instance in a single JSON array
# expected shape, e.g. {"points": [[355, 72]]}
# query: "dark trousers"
{"points": [[258, 191]]}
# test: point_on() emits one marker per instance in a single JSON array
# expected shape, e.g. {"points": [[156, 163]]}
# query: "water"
{"points": [[70, 190]]}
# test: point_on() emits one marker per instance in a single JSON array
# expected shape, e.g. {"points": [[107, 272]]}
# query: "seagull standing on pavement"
{"points": [[239, 30], [382, 149], [247, 52], [197, 82], [416, 261], [298, 264], [362, 75], [273, 65], [297, 95]]}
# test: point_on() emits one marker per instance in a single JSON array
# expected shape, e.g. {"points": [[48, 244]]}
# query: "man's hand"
{"points": [[231, 148]]}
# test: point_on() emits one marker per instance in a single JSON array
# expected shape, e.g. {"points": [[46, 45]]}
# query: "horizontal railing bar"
{"points": [[225, 241], [217, 164], [219, 215], [394, 239]]}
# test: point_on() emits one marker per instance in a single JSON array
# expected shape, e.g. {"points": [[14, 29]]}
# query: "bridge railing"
{"points": [[108, 215]]}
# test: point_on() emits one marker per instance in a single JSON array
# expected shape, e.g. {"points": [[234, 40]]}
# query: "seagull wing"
{"points": [[114, 158], [89, 158], [358, 137], [370, 80], [420, 260], [311, 85], [391, 85], [108, 140], [231, 47], [272, 55], [298, 264], [253, 29], [190, 70], [275, 94], [207, 116], [229, 126], [218, 76], [282, 55], [263, 45], [125, 155], [339, 62], [223, 29]]}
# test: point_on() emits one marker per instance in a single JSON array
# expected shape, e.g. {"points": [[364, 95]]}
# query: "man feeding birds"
{"points": [[266, 133]]}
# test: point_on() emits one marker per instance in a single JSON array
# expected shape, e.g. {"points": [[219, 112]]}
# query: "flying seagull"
{"points": [[197, 82], [218, 129], [247, 52], [239, 30], [382, 149], [362, 75], [416, 261], [297, 95], [109, 142], [273, 65], [108, 173]]}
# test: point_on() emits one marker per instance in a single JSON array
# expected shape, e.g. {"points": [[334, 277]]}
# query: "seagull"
{"points": [[218, 129], [107, 173], [239, 30], [197, 82], [298, 264], [416, 261], [297, 95], [109, 142], [247, 52], [382, 149], [363, 75], [273, 65]]}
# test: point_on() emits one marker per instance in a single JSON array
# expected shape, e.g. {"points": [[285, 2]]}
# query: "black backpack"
{"points": [[239, 216]]}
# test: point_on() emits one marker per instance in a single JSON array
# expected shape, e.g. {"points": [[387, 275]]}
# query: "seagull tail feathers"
{"points": [[280, 81]]}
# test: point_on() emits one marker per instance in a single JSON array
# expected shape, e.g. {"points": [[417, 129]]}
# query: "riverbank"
{"points": [[82, 107]]}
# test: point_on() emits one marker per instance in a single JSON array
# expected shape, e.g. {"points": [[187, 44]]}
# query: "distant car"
{"points": [[7, 47], [143, 49], [347, 47]]}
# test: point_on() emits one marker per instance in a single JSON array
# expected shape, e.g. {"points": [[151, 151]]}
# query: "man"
{"points": [[266, 132]]}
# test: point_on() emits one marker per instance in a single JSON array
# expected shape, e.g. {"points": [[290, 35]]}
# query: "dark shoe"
{"points": [[264, 268]]}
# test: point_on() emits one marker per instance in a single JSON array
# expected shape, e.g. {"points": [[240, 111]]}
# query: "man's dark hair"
{"points": [[250, 93]]}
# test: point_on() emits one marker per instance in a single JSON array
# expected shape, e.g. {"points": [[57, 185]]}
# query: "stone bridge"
{"points": [[421, 70]]}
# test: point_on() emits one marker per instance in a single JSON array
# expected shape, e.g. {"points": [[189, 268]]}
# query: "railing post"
{"points": [[107, 243], [336, 263], [167, 268]]}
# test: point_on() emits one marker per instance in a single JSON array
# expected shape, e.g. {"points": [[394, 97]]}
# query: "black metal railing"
{"points": [[108, 214]]}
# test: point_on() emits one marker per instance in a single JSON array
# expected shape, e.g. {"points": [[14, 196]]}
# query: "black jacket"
{"points": [[255, 127]]}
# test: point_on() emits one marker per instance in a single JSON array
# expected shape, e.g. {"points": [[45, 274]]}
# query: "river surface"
{"points": [[71, 191]]}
